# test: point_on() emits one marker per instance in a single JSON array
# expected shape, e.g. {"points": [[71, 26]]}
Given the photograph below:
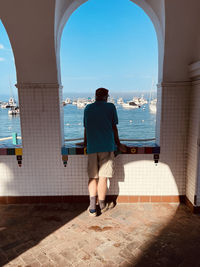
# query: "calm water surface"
{"points": [[133, 123]]}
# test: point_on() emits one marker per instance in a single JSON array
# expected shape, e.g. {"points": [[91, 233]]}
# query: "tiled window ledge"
{"points": [[74, 149], [15, 151]]}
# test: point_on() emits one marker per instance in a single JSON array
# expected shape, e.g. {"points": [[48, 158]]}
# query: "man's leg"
{"points": [[106, 166], [92, 183], [102, 189], [92, 188]]}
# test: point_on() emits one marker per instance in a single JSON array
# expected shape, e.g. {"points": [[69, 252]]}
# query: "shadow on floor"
{"points": [[136, 235], [24, 226], [178, 243]]}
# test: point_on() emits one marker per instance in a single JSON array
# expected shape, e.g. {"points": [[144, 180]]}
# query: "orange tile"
{"points": [[133, 199], [175, 199], [167, 199], [156, 198], [123, 199], [144, 199]]}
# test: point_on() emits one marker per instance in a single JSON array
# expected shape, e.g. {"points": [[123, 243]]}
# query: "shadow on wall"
{"points": [[144, 177]]}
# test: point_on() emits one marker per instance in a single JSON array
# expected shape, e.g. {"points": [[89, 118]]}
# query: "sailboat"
{"points": [[152, 101]]}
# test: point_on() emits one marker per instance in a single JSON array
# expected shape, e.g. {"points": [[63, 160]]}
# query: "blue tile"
{"points": [[72, 151], [64, 150]]}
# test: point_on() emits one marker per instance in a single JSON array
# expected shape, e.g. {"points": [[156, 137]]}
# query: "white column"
{"points": [[42, 134], [193, 164], [174, 115]]}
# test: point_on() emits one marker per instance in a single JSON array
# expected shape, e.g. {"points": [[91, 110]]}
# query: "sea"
{"points": [[133, 123]]}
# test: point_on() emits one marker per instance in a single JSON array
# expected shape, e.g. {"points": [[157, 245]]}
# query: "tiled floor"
{"points": [[128, 235]]}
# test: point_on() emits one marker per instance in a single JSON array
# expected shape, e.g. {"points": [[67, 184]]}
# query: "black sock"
{"points": [[93, 203], [102, 204]]}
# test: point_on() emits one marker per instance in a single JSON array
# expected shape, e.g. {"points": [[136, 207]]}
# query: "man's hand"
{"points": [[122, 148]]}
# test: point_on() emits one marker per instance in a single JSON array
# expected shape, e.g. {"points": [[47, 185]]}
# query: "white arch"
{"points": [[155, 11]]}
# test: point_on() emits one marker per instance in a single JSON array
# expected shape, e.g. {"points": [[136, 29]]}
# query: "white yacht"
{"points": [[13, 111], [4, 105], [152, 106], [120, 101], [11, 103], [81, 103], [130, 105], [68, 101], [140, 101], [74, 102]]}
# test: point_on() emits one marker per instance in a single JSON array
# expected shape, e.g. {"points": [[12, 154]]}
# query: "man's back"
{"points": [[99, 119]]}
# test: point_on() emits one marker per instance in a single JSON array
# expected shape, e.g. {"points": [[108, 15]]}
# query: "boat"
{"points": [[120, 101], [152, 106], [74, 102], [140, 101], [64, 103], [68, 101], [11, 103], [130, 105], [81, 103], [4, 105], [13, 111]]}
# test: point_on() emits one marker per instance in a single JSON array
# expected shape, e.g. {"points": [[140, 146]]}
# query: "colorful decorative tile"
{"points": [[79, 151], [18, 151], [65, 157], [71, 151], [148, 150], [10, 151], [140, 150], [156, 150], [3, 151], [19, 157], [131, 150], [64, 151]]}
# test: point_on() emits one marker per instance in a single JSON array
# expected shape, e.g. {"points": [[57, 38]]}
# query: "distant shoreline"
{"points": [[113, 94]]}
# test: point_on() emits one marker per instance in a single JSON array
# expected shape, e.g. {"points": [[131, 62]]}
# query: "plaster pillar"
{"points": [[173, 128], [41, 117], [193, 161]]}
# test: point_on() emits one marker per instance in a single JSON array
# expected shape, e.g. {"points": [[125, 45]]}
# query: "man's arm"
{"points": [[120, 146]]}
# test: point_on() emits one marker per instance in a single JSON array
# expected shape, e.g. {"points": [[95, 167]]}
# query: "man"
{"points": [[100, 138]]}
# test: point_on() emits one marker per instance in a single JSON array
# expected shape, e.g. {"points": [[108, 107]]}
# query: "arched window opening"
{"points": [[10, 130], [113, 45]]}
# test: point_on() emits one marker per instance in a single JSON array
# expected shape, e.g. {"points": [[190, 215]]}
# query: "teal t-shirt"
{"points": [[99, 117]]}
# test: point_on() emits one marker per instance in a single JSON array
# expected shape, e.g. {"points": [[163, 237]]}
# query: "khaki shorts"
{"points": [[101, 164]]}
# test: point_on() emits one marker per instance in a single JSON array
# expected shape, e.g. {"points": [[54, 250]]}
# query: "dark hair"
{"points": [[101, 93]]}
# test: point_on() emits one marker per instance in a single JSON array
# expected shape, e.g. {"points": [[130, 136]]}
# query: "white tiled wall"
{"points": [[193, 149], [174, 125], [43, 173]]}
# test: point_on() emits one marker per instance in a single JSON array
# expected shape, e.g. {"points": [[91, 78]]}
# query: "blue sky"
{"points": [[109, 43]]}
